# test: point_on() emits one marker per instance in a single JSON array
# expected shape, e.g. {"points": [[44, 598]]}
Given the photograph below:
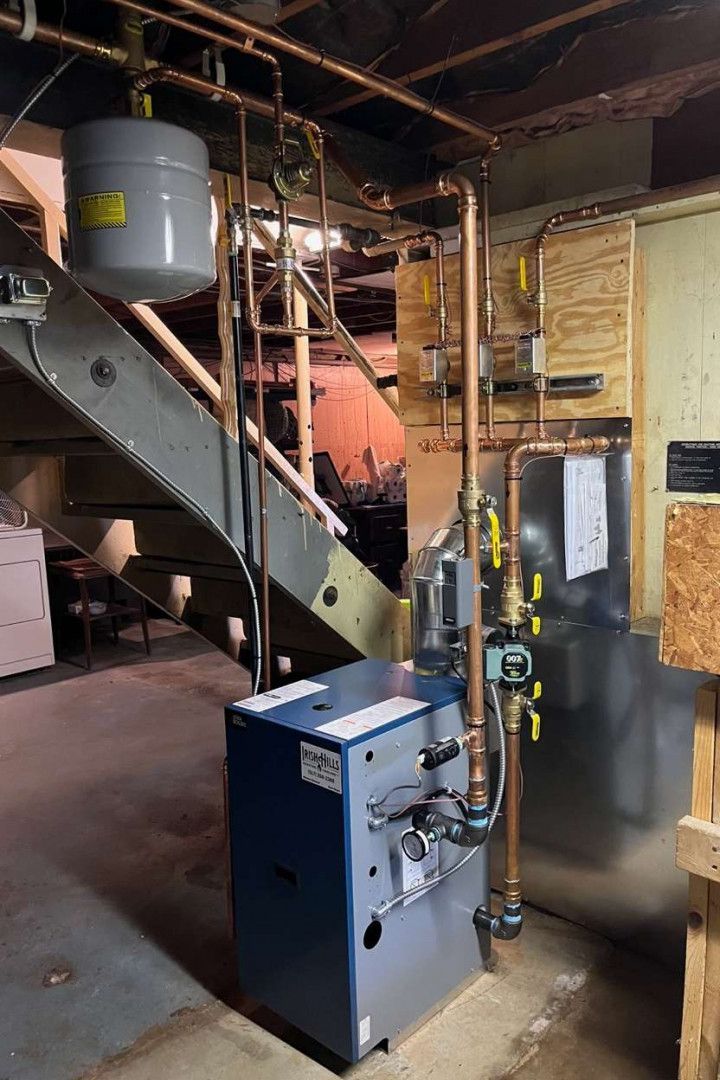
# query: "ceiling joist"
{"points": [[475, 52]]}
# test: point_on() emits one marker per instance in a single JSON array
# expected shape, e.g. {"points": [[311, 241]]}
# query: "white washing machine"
{"points": [[25, 630]]}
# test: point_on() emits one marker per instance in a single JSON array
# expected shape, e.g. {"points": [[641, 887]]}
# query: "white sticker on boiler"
{"points": [[320, 766], [281, 695], [415, 875], [374, 716], [364, 1031]]}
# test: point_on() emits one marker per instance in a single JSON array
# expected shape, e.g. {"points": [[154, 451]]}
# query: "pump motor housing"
{"points": [[315, 851]]}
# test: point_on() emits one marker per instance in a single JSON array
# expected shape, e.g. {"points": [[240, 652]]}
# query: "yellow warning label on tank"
{"points": [[104, 210]]}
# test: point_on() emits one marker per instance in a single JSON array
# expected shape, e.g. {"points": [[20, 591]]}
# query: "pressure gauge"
{"points": [[415, 844]]}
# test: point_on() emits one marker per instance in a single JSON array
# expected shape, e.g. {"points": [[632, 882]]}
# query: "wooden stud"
{"points": [[637, 490], [705, 806]]}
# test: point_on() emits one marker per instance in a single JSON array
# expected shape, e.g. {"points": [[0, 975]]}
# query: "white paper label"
{"points": [[364, 1030], [417, 874], [320, 766], [374, 716], [586, 531], [283, 694]]}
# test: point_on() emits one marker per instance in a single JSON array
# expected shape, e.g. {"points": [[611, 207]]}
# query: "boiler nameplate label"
{"points": [[320, 766]]}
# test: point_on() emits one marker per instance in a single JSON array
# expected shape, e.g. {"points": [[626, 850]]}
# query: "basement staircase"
{"points": [[147, 485]]}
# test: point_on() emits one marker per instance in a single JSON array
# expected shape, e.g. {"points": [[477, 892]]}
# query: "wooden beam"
{"points": [[697, 847], [476, 52], [644, 68], [655, 96], [293, 8]]}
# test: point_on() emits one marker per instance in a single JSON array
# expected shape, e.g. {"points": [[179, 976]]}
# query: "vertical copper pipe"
{"points": [[471, 493], [319, 137], [262, 500], [487, 304], [444, 418], [512, 893]]}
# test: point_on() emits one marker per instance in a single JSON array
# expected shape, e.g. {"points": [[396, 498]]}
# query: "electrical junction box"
{"points": [[434, 364], [458, 592], [530, 355], [314, 774]]}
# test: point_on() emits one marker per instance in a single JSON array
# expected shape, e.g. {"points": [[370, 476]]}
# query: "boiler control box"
{"points": [[320, 774]]}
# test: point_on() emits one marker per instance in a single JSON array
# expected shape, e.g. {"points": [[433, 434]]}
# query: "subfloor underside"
{"points": [[114, 947]]}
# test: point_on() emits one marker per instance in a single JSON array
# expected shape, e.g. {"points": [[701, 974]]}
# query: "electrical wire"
{"points": [[51, 380], [34, 96]]}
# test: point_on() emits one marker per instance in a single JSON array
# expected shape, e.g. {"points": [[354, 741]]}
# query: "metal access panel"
{"points": [[308, 868]]}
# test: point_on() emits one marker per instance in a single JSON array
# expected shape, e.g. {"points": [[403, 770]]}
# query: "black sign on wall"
{"points": [[694, 466]]}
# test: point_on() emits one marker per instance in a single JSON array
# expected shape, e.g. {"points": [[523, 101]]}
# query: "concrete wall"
{"points": [[601, 157]]}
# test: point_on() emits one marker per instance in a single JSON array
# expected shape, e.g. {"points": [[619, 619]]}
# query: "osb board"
{"points": [[589, 274], [691, 587]]}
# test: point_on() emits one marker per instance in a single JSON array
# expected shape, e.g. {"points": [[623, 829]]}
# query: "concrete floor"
{"points": [[114, 957]]}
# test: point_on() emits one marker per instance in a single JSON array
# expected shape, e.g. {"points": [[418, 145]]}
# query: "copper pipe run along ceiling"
{"points": [[344, 68]]}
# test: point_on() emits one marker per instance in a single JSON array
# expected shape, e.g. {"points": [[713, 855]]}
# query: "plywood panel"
{"points": [[691, 587], [590, 289], [682, 377]]}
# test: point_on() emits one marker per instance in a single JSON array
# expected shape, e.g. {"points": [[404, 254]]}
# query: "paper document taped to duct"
{"points": [[586, 531]]}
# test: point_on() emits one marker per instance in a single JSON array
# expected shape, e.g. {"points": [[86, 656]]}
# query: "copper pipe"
{"points": [[444, 418], [346, 70], [512, 893], [189, 81], [207, 88], [266, 288], [319, 137], [487, 302], [513, 609], [262, 501], [433, 240], [471, 497], [12, 23], [454, 446]]}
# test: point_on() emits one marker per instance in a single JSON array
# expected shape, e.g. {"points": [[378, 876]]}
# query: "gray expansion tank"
{"points": [[137, 199]]}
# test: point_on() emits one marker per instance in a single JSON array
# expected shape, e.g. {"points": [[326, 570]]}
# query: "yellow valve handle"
{"points": [[495, 538], [537, 690], [146, 106], [522, 267], [312, 143], [535, 732], [535, 625], [537, 587], [426, 291]]}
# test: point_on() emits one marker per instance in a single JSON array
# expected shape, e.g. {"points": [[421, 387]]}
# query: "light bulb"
{"points": [[314, 240]]}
